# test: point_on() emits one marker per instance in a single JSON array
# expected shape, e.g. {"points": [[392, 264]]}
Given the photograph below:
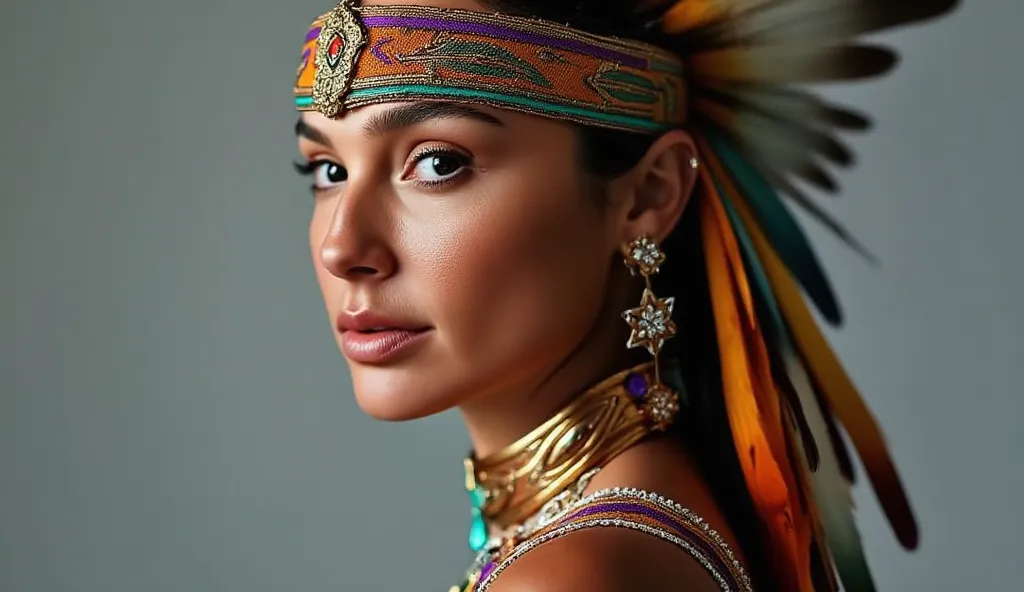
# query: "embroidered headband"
{"points": [[357, 56]]}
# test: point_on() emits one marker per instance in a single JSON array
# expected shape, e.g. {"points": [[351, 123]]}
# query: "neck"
{"points": [[500, 418], [534, 439]]}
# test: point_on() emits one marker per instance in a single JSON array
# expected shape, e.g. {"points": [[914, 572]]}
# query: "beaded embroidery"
{"points": [[378, 54]]}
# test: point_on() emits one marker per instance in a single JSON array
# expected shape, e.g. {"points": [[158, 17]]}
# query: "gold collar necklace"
{"points": [[510, 485]]}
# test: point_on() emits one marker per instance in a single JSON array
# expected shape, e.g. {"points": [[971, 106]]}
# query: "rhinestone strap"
{"points": [[644, 512]]}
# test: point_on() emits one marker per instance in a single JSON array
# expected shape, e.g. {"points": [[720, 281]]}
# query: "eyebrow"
{"points": [[304, 130], [412, 114]]}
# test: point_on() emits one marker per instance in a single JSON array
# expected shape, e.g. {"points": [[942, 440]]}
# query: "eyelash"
{"points": [[309, 168], [422, 155]]}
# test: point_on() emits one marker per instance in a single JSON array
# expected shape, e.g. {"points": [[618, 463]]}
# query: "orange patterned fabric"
{"points": [[425, 53]]}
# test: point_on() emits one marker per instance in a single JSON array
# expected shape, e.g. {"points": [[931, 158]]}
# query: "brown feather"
{"points": [[814, 210], [796, 21], [844, 457], [773, 127], [785, 386], [871, 16], [814, 174], [784, 103], [792, 63]]}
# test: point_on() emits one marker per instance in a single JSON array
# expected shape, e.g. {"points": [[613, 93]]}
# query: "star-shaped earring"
{"points": [[651, 322], [661, 404], [643, 255]]}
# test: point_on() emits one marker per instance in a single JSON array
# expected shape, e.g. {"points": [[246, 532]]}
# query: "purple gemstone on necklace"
{"points": [[636, 384], [486, 571]]}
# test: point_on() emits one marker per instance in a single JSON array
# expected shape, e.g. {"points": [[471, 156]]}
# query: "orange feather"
{"points": [[752, 404], [685, 16], [779, 431], [840, 393]]}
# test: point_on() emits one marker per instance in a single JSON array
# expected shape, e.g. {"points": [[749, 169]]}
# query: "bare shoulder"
{"points": [[605, 560]]}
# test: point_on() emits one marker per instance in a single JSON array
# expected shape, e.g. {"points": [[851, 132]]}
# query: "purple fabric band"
{"points": [[312, 34], [711, 552], [500, 32]]}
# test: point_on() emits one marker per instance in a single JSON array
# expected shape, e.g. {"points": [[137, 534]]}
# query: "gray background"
{"points": [[174, 415]]}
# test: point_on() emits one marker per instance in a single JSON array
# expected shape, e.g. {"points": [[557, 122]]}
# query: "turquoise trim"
{"points": [[554, 109], [533, 104]]}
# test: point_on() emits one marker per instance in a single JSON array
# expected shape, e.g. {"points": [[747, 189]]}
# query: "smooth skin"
{"points": [[481, 226]]}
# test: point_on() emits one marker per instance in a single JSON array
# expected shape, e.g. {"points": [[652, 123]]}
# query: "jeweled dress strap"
{"points": [[644, 512]]}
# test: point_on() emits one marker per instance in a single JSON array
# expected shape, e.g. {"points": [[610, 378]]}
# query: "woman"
{"points": [[499, 185]]}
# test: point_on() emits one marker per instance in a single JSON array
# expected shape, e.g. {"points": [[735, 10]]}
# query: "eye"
{"points": [[439, 166], [325, 173]]}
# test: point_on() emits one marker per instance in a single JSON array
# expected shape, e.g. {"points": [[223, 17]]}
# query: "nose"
{"points": [[357, 244]]}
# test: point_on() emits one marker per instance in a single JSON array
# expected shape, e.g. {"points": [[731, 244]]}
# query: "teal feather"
{"points": [[753, 264], [782, 230]]}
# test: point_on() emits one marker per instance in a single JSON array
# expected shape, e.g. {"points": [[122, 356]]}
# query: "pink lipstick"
{"points": [[372, 338]]}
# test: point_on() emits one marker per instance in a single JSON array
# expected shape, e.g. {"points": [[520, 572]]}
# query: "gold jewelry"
{"points": [[652, 325], [608, 418]]}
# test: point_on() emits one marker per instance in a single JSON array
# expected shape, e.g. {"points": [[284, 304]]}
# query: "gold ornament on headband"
{"points": [[338, 45]]}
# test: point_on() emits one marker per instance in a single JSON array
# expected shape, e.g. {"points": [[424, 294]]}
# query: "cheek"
{"points": [[319, 224], [520, 277]]}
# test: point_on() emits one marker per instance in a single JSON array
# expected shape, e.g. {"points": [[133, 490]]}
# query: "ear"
{"points": [[653, 195]]}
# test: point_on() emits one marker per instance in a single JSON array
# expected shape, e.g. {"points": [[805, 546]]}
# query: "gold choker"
{"points": [[511, 485]]}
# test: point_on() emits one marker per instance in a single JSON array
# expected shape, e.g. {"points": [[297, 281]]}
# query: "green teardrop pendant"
{"points": [[477, 528], [477, 532]]}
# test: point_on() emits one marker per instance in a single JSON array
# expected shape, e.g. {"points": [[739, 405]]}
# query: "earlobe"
{"points": [[663, 182]]}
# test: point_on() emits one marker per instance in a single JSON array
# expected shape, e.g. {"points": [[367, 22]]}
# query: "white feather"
{"points": [[830, 488]]}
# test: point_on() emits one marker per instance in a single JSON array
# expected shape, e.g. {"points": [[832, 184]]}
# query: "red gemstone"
{"points": [[334, 49]]}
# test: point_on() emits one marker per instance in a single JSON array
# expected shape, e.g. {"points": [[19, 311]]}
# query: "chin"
{"points": [[397, 394]]}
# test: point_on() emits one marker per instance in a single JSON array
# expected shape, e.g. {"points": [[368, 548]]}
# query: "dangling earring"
{"points": [[652, 324]]}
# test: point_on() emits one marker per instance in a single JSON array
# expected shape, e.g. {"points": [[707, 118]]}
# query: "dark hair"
{"points": [[605, 154]]}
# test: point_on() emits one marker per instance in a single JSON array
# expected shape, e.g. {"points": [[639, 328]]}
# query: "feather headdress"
{"points": [[729, 71], [787, 397]]}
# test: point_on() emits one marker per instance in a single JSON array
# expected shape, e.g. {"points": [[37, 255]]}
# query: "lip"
{"points": [[393, 336], [379, 347]]}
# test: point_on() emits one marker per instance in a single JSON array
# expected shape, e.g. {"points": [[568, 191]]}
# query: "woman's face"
{"points": [[459, 248]]}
